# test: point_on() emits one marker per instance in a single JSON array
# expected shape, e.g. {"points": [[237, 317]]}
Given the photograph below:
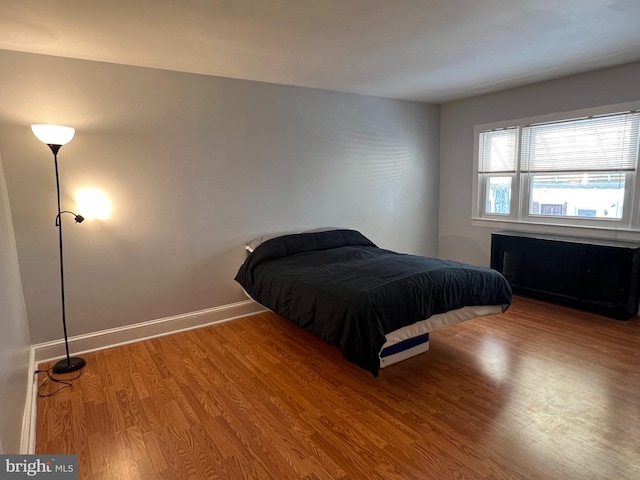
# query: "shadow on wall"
{"points": [[476, 251], [213, 278], [189, 285]]}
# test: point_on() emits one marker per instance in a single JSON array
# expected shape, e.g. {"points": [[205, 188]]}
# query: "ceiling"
{"points": [[424, 50]]}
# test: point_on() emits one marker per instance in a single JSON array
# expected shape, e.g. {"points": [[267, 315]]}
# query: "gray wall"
{"points": [[14, 340], [458, 239], [195, 166]]}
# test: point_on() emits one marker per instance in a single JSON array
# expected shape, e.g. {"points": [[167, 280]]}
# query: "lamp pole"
{"points": [[70, 364]]}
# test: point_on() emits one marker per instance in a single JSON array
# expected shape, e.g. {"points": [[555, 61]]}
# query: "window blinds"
{"points": [[604, 143], [498, 151]]}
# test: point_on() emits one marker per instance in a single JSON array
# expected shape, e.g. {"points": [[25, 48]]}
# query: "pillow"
{"points": [[251, 245]]}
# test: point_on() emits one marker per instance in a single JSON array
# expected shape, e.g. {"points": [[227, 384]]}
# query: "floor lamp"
{"points": [[56, 136]]}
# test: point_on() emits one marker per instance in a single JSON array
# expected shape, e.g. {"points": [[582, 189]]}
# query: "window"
{"points": [[498, 166], [568, 171]]}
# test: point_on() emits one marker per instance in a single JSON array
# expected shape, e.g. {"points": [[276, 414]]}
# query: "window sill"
{"points": [[624, 234]]}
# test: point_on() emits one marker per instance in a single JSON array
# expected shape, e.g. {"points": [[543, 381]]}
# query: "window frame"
{"points": [[521, 180]]}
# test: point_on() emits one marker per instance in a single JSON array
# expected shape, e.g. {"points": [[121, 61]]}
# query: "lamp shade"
{"points": [[53, 134]]}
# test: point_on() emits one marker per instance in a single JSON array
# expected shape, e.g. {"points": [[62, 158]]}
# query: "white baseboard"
{"points": [[28, 438], [136, 332], [114, 337]]}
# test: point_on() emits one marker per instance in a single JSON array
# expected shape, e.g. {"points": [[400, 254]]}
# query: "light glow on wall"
{"points": [[93, 204]]}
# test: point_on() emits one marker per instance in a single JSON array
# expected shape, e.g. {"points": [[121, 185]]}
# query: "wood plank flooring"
{"points": [[541, 392]]}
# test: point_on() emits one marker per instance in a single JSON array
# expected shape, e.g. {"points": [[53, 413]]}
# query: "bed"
{"points": [[377, 306]]}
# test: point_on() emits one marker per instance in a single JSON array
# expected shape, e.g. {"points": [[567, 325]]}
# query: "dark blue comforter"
{"points": [[351, 293]]}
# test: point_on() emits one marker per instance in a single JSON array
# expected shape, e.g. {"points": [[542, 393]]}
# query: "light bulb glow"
{"points": [[93, 203], [53, 134]]}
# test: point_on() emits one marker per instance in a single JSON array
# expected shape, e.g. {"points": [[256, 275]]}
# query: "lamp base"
{"points": [[73, 364]]}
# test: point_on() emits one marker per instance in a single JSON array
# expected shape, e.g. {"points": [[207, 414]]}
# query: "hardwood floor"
{"points": [[541, 392]]}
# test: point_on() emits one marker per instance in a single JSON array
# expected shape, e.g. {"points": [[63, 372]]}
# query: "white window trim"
{"points": [[626, 229]]}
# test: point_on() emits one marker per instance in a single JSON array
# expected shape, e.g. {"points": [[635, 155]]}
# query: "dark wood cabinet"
{"points": [[601, 276]]}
